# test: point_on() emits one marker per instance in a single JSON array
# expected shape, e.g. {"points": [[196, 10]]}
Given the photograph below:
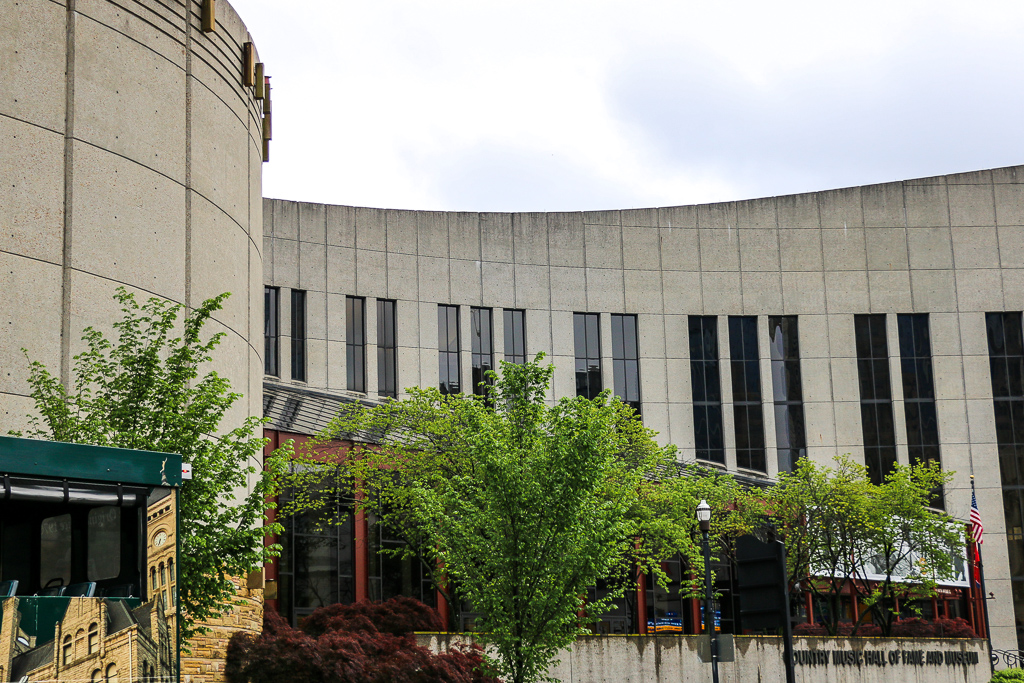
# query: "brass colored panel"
{"points": [[248, 65], [266, 150], [260, 82], [255, 580], [266, 126], [209, 16]]}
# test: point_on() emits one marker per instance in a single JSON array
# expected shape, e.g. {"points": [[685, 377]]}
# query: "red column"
{"points": [[270, 569], [695, 614], [641, 600], [362, 538], [443, 609], [979, 596], [810, 607], [854, 607]]}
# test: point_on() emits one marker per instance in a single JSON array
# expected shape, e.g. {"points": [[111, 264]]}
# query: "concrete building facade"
{"points": [[133, 143], [132, 157], [941, 252]]}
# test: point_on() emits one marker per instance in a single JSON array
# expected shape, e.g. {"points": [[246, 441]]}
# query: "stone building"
{"points": [[882, 321], [97, 640]]}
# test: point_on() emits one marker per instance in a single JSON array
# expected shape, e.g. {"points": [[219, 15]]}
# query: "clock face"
{"points": [[160, 539]]}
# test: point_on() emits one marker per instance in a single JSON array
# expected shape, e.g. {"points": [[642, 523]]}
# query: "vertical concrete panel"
{"points": [[33, 63]]}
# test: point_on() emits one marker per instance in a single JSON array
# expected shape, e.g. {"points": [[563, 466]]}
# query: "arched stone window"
{"points": [[94, 638], [111, 673], [97, 676], [79, 643], [66, 650], [163, 575]]}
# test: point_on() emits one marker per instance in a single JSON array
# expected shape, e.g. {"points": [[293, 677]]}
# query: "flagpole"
{"points": [[984, 595]]}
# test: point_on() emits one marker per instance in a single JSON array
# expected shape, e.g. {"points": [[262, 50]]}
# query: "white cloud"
{"points": [[562, 105]]}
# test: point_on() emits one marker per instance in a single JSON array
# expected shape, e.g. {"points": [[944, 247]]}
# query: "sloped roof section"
{"points": [[305, 411]]}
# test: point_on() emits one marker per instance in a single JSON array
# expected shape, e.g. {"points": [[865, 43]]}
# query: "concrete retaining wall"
{"points": [[660, 659]]}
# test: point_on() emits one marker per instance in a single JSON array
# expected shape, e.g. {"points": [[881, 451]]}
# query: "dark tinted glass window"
{"points": [[391, 575], [482, 346], [706, 385], [387, 349], [355, 342], [317, 559], [1006, 357], [515, 336], [626, 359], [298, 335], [787, 392], [919, 392], [587, 334], [748, 414], [875, 395], [271, 334], [448, 348]]}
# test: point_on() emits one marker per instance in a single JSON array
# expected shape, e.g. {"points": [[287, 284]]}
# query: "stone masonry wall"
{"points": [[206, 660]]}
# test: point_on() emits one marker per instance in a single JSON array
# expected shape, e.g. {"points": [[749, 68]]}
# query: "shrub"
{"points": [[862, 630], [846, 629], [914, 627], [954, 628], [321, 652], [809, 630], [1008, 676], [397, 616]]}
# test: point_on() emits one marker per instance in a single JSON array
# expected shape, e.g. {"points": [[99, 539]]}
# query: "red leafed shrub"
{"points": [[914, 627], [845, 630], [953, 628], [283, 654], [809, 630], [396, 616], [863, 630]]}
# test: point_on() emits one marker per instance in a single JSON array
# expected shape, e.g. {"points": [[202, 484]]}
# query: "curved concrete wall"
{"points": [[950, 246], [132, 155]]}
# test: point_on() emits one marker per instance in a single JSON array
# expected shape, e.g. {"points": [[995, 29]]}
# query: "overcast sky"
{"points": [[549, 105]]}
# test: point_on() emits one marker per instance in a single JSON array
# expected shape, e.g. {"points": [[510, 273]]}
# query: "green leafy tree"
{"points": [[820, 513], [667, 520], [905, 542], [520, 504], [144, 391], [877, 543]]}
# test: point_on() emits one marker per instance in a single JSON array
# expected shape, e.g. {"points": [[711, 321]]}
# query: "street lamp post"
{"points": [[704, 519]]}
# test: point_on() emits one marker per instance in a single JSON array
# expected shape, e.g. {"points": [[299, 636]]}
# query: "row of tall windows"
{"points": [[872, 346], [355, 340], [481, 330], [1006, 363], [272, 334], [876, 400]]}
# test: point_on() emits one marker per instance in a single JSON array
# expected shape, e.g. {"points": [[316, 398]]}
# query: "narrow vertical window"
{"points": [[298, 335], [919, 393], [707, 389], [387, 349], [626, 360], [587, 331], [875, 395], [787, 392], [448, 348], [1006, 363], [271, 335], [515, 336], [482, 346], [748, 413], [355, 342]]}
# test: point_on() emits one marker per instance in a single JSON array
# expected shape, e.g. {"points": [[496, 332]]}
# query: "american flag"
{"points": [[976, 526]]}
